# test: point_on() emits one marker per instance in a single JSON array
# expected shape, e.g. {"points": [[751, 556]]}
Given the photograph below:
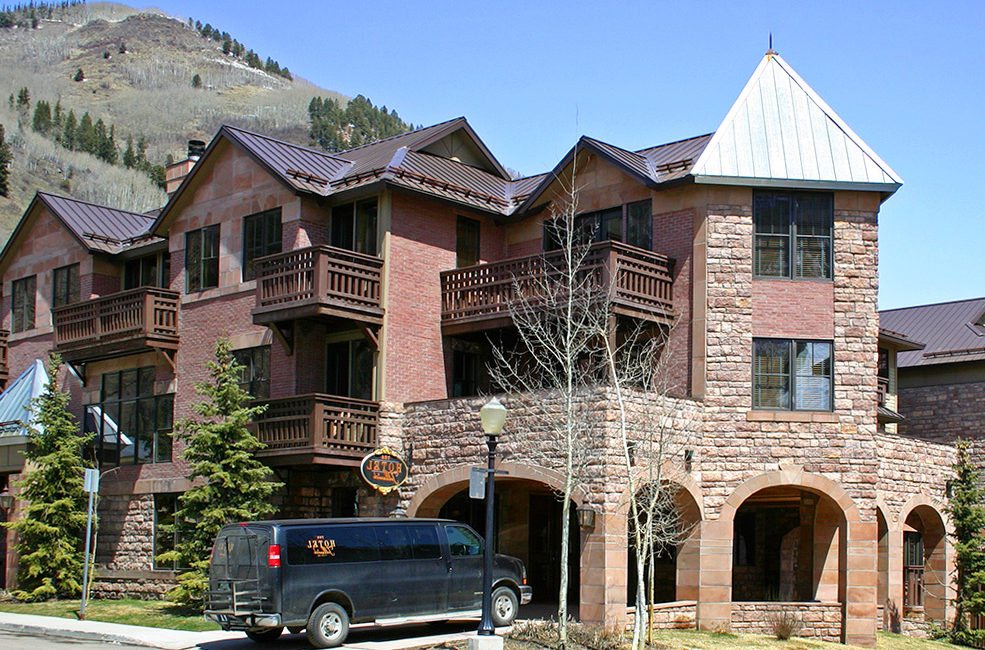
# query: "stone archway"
{"points": [[844, 547], [924, 578]]}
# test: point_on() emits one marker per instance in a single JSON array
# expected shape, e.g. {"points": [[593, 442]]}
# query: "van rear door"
{"points": [[239, 580]]}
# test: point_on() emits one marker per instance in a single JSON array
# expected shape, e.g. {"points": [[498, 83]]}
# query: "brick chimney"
{"points": [[176, 172]]}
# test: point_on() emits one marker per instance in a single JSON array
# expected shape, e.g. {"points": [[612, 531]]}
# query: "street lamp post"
{"points": [[493, 416]]}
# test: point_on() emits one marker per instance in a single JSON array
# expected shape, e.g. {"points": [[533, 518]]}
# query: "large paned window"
{"points": [[349, 371], [354, 226], [147, 271], [65, 285], [22, 310], [631, 223], [261, 236], [202, 258], [792, 375], [466, 242], [255, 375], [165, 507], [131, 424], [793, 234]]}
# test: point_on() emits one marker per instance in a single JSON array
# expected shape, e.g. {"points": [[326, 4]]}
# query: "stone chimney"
{"points": [[176, 172]]}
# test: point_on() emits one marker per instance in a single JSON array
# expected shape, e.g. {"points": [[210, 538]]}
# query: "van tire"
{"points": [[504, 606], [265, 635], [328, 626]]}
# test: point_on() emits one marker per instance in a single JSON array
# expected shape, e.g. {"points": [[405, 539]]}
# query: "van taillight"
{"points": [[273, 555]]}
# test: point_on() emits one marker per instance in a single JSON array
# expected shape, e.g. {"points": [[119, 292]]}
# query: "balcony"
{"points": [[128, 322], [319, 281], [4, 366], [317, 429], [639, 284]]}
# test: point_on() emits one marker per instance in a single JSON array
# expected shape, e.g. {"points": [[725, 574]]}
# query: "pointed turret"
{"points": [[780, 133]]}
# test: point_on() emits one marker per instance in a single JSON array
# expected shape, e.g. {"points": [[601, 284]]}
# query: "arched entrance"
{"points": [[677, 546], [528, 522], [924, 563], [787, 546]]}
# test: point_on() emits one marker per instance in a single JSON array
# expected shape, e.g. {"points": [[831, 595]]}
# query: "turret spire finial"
{"points": [[771, 51]]}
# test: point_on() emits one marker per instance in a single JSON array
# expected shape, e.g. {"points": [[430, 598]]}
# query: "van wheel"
{"points": [[504, 606], [328, 626], [265, 635]]}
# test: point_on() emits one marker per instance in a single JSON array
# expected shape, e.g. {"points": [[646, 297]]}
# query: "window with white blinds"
{"points": [[793, 234], [792, 375]]}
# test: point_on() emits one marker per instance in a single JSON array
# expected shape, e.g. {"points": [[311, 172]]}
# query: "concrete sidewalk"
{"points": [[150, 637], [361, 637]]}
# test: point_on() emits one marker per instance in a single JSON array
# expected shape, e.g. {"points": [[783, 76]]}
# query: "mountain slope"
{"points": [[138, 68]]}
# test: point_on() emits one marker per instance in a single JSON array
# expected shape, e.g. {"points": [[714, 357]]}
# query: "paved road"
{"points": [[11, 641]]}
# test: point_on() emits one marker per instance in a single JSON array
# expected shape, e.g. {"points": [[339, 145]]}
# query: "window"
{"points": [[792, 375], [631, 223], [793, 233], [349, 369], [354, 226], [255, 376], [165, 507], [147, 271], [202, 258], [130, 423], [883, 367], [462, 541], [261, 236], [22, 310], [468, 368], [744, 539], [65, 285], [466, 242]]}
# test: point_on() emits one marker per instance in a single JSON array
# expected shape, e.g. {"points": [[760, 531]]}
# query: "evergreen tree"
{"points": [[41, 122], [52, 528], [227, 45], [85, 135], [968, 515], [123, 48], [23, 98], [129, 157], [57, 117], [5, 158], [79, 75], [70, 132], [196, 81], [235, 486]]}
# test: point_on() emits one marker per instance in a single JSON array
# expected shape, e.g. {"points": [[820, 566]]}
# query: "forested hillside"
{"points": [[96, 98]]}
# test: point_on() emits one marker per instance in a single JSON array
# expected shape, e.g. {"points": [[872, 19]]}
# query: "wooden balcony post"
{"points": [[320, 284]]}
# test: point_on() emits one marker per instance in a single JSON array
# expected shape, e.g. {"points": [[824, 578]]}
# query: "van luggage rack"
{"points": [[235, 597]]}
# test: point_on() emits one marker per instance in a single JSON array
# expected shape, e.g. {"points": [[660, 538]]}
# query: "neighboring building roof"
{"points": [[953, 332], [900, 341], [15, 400], [780, 133]]}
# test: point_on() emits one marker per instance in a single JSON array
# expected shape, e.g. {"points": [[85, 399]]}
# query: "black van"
{"points": [[323, 574]]}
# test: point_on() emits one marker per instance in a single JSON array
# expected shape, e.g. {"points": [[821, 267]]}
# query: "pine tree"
{"points": [[129, 157], [41, 122], [70, 132], [23, 98], [5, 158], [51, 529], [196, 81], [79, 75], [968, 516], [233, 485]]}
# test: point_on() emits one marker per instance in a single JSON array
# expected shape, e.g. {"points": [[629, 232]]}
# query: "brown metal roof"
{"points": [[675, 159], [98, 227], [953, 332]]}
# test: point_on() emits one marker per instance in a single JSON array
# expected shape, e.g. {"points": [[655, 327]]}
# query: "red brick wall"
{"points": [[944, 413], [794, 309], [422, 244]]}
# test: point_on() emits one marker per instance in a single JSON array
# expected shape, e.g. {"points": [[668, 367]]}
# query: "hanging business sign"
{"points": [[384, 470]]}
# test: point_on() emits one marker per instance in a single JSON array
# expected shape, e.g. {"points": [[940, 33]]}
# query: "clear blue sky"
{"points": [[908, 77]]}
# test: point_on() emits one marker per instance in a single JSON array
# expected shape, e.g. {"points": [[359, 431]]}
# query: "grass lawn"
{"points": [[150, 613]]}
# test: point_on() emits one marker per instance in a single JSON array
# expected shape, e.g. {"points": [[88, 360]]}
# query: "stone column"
{"points": [[893, 613], [861, 584], [603, 572], [714, 609]]}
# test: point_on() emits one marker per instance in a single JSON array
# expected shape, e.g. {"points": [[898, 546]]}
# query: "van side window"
{"points": [[463, 542], [394, 543], [424, 541], [332, 545]]}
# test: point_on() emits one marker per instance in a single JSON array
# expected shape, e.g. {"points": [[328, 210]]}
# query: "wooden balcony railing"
{"points": [[4, 367], [319, 280], [637, 282], [317, 428], [121, 323], [882, 388], [912, 587]]}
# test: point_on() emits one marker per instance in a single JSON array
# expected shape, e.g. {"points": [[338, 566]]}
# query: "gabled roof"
{"points": [[953, 332], [780, 133], [97, 228], [15, 400]]}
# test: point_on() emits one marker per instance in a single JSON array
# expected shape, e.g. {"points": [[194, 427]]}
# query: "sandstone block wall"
{"points": [[822, 621]]}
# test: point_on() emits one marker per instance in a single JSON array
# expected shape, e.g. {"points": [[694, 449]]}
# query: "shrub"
{"points": [[784, 623]]}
